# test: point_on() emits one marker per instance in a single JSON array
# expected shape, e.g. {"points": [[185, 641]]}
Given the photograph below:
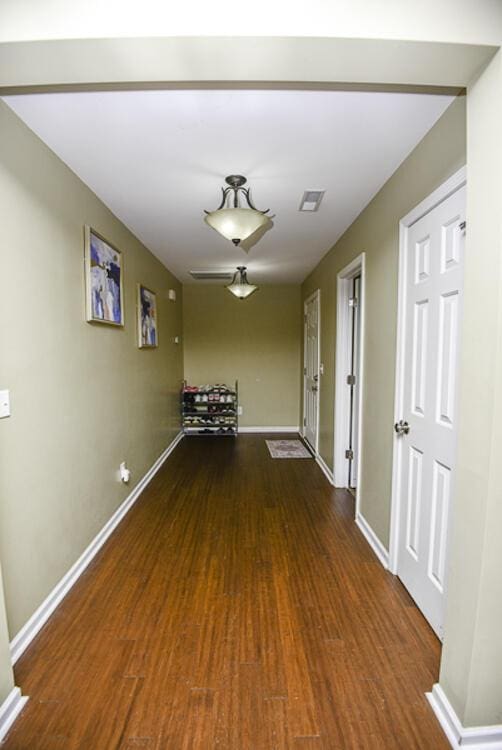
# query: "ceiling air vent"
{"points": [[311, 200], [212, 275]]}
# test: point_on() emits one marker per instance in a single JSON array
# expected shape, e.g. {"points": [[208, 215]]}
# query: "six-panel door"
{"points": [[433, 301]]}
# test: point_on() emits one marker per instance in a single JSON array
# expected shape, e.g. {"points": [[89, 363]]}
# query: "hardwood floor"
{"points": [[236, 607]]}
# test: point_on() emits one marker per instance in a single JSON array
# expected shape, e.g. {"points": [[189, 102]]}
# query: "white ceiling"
{"points": [[159, 158]]}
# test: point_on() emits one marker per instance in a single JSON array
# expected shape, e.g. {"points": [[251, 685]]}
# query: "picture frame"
{"points": [[148, 331], [104, 272]]}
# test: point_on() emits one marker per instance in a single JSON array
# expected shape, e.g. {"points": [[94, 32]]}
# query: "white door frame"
{"points": [[454, 183], [343, 364], [317, 296]]}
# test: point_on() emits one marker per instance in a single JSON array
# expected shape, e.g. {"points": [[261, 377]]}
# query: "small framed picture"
{"points": [[103, 280], [147, 318]]}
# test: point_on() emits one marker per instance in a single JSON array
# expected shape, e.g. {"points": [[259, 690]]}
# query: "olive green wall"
{"points": [[256, 341], [83, 397], [376, 232]]}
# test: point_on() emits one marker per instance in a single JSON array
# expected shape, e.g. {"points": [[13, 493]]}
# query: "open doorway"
{"points": [[353, 380], [311, 359], [349, 368]]}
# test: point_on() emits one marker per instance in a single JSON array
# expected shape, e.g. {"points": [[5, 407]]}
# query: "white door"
{"points": [[427, 427], [311, 371]]}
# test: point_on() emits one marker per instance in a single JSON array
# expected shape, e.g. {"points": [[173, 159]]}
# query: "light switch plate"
{"points": [[4, 404], [172, 295]]}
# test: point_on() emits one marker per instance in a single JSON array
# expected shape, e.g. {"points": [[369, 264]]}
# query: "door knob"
{"points": [[314, 388], [402, 427], [316, 378]]}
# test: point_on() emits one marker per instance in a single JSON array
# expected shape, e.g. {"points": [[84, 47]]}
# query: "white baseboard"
{"points": [[23, 639], [473, 738], [269, 429], [325, 468], [10, 710], [372, 539]]}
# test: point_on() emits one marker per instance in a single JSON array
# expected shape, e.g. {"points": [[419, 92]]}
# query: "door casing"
{"points": [[454, 183], [343, 364]]}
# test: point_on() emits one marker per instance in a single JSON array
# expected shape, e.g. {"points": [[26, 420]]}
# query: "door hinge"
{"points": [[349, 454], [462, 225], [304, 421], [353, 302], [351, 379], [304, 370]]}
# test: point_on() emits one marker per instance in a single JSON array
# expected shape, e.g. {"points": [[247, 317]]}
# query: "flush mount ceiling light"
{"points": [[233, 222], [240, 285]]}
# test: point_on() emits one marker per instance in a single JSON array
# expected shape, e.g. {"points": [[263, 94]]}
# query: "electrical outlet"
{"points": [[124, 473]]}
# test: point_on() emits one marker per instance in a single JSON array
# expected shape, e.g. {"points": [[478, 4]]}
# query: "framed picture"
{"points": [[103, 280], [148, 336]]}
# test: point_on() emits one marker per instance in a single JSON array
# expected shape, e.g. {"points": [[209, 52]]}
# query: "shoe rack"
{"points": [[209, 409]]}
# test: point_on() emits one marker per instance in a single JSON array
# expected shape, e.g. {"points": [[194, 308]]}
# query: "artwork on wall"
{"points": [[103, 279], [147, 318]]}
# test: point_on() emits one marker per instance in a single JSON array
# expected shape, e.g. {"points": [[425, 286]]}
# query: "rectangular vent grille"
{"points": [[311, 200], [212, 275]]}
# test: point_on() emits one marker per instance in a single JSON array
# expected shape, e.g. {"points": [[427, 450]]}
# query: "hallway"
{"points": [[237, 606]]}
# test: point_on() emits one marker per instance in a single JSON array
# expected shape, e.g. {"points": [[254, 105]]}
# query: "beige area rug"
{"points": [[287, 449]]}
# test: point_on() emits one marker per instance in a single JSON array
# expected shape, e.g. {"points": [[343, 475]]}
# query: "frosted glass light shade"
{"points": [[242, 290], [240, 285], [236, 224]]}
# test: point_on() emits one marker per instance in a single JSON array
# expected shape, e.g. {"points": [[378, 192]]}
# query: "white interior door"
{"points": [[311, 371], [427, 427]]}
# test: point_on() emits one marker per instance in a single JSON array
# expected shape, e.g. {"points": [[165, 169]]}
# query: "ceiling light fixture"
{"points": [[233, 222], [240, 285]]}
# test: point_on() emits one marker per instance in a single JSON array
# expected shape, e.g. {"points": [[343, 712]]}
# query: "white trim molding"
{"points": [[454, 183], [22, 640], [372, 539], [473, 738], [10, 710], [325, 468], [269, 429]]}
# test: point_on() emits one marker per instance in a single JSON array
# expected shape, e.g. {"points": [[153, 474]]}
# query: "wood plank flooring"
{"points": [[236, 607]]}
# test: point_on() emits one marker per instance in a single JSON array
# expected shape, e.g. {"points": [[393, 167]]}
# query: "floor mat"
{"points": [[287, 449]]}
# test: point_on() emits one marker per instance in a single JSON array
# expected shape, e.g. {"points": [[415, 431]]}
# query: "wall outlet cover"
{"points": [[124, 473]]}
